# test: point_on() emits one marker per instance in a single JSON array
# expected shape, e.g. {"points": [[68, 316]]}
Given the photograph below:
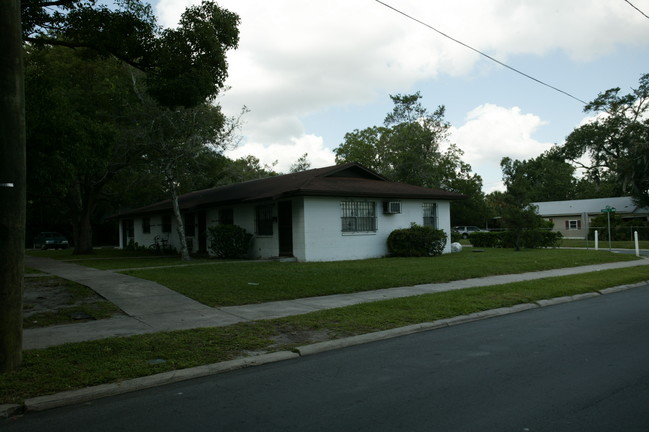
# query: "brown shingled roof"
{"points": [[349, 180]]}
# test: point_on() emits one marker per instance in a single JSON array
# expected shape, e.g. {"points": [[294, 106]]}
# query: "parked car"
{"points": [[50, 240], [466, 230]]}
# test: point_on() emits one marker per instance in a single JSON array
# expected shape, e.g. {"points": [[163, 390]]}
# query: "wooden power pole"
{"points": [[12, 185]]}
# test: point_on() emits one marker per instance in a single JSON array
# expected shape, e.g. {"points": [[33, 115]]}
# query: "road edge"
{"points": [[88, 394]]}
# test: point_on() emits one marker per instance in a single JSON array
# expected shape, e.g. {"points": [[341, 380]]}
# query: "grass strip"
{"points": [[79, 365], [259, 282]]}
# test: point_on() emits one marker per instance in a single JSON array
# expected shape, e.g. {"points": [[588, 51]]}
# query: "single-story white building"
{"points": [[573, 217], [335, 213]]}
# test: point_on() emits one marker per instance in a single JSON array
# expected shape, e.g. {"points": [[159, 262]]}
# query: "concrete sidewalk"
{"points": [[151, 307]]}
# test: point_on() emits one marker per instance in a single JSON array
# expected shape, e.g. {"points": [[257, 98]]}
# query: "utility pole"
{"points": [[12, 185]]}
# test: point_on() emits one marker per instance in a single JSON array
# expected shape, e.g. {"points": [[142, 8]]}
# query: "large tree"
{"points": [[412, 147], [514, 206], [178, 140], [180, 68], [185, 65], [543, 178], [81, 131], [616, 141]]}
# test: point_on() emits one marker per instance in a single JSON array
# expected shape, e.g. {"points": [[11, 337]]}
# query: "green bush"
{"points": [[229, 241], [531, 239], [486, 239], [416, 241]]}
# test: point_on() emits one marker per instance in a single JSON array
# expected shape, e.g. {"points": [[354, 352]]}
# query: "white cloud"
{"points": [[492, 132], [281, 156], [298, 58]]}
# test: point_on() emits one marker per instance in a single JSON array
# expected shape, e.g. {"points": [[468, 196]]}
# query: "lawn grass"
{"points": [[257, 282], [33, 271], [79, 365]]}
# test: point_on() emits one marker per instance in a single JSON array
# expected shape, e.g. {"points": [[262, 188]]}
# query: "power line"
{"points": [[634, 7], [480, 52]]}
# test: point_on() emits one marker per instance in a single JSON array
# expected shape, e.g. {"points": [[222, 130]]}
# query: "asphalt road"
{"points": [[581, 366]]}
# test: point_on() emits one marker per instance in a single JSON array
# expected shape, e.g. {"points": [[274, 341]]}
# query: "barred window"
{"points": [[358, 216], [430, 215], [264, 220]]}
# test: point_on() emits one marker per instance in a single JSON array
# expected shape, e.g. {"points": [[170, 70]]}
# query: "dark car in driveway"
{"points": [[50, 240]]}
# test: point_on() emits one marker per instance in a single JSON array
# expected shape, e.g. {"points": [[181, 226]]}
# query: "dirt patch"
{"points": [[302, 337], [50, 300]]}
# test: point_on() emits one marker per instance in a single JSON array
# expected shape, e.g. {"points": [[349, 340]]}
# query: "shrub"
{"points": [[530, 239], [416, 241], [229, 241], [486, 239]]}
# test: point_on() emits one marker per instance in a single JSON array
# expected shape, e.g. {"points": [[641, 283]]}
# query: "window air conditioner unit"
{"points": [[391, 207]]}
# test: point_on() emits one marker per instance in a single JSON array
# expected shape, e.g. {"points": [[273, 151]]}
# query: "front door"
{"points": [[285, 228], [128, 232]]}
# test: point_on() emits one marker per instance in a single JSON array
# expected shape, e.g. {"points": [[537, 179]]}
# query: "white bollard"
{"points": [[637, 244], [596, 240]]}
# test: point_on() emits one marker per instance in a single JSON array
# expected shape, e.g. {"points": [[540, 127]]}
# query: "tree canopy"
{"points": [[543, 178], [616, 140], [81, 131], [412, 147], [92, 107], [184, 65], [408, 147]]}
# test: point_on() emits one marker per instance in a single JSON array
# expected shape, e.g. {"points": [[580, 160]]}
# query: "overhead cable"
{"points": [[480, 52], [634, 7]]}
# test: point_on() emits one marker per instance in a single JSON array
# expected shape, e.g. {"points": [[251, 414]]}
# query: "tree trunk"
{"points": [[82, 233], [184, 252], [12, 185]]}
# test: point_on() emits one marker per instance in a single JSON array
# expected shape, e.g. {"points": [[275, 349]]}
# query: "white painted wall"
{"points": [[317, 231], [148, 239], [325, 241]]}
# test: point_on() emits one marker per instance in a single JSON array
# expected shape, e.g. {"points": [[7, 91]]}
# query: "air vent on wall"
{"points": [[391, 207]]}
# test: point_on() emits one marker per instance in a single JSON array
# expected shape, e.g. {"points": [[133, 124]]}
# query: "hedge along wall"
{"points": [[532, 239]]}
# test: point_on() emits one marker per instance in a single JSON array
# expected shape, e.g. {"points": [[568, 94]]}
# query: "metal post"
{"points": [[596, 240], [637, 244], [608, 216]]}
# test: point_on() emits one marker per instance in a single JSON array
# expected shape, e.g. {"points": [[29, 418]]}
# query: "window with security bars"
{"points": [[430, 215], [264, 220], [358, 216]]}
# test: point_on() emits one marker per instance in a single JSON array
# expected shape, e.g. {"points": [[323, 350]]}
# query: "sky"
{"points": [[309, 72]]}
